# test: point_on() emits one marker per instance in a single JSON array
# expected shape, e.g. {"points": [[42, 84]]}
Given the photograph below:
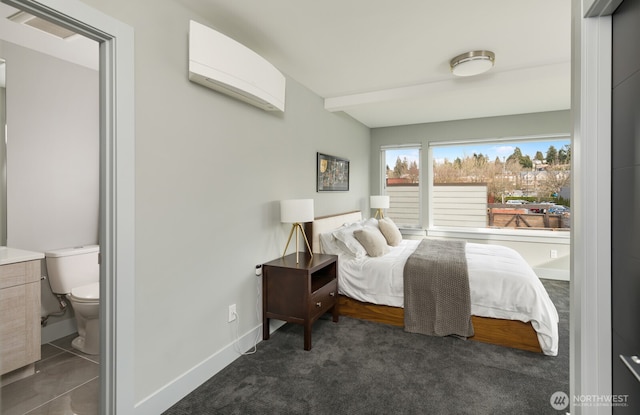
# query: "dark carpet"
{"points": [[358, 367]]}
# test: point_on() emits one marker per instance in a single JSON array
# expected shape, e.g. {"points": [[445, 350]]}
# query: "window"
{"points": [[513, 184], [401, 182]]}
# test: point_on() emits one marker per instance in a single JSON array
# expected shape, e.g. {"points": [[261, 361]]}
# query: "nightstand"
{"points": [[299, 293]]}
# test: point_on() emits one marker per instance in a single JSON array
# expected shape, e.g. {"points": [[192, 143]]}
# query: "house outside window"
{"points": [[522, 184]]}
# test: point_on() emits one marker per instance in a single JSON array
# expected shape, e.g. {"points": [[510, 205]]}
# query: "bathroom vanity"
{"points": [[19, 312]]}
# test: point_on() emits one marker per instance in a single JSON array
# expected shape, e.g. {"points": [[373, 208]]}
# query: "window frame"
{"points": [[418, 227], [487, 234]]}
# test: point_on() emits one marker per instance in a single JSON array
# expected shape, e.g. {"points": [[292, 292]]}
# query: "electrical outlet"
{"points": [[232, 313], [554, 253]]}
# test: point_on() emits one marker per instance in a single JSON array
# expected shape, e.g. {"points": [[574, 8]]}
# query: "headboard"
{"points": [[328, 223]]}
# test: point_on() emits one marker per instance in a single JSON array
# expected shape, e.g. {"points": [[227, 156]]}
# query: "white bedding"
{"points": [[502, 286]]}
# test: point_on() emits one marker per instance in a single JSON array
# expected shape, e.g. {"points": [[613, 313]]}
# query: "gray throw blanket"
{"points": [[437, 299]]}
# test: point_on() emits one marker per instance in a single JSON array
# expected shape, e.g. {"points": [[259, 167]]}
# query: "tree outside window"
{"points": [[534, 174]]}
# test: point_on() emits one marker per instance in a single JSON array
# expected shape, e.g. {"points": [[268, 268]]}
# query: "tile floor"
{"points": [[65, 383]]}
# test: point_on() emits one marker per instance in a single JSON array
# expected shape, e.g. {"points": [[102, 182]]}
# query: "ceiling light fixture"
{"points": [[472, 63]]}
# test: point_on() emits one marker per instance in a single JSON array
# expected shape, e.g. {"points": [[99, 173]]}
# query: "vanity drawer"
{"points": [[19, 273], [19, 315]]}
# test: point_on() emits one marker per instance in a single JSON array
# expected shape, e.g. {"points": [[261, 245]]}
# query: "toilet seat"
{"points": [[89, 293]]}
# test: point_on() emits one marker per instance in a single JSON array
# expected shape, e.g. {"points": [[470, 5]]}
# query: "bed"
{"points": [[509, 305]]}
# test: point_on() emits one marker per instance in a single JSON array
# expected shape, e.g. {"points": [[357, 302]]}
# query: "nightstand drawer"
{"points": [[323, 299]]}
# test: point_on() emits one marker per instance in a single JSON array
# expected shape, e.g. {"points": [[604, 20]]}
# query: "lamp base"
{"points": [[297, 227]]}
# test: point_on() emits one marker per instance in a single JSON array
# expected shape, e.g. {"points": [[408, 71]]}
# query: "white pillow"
{"points": [[390, 231], [371, 222], [328, 244], [372, 240], [345, 236]]}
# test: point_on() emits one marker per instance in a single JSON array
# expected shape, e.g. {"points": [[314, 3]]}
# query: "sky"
{"points": [[412, 154], [493, 150]]}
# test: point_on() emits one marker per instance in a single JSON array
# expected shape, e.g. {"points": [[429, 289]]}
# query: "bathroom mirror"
{"points": [[3, 155]]}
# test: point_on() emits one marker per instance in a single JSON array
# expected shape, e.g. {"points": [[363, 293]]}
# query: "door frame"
{"points": [[590, 315], [117, 175]]}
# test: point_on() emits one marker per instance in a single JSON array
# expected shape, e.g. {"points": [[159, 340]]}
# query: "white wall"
{"points": [[210, 172], [52, 151], [52, 158]]}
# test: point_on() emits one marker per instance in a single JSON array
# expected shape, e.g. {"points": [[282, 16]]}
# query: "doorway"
{"points": [[116, 206]]}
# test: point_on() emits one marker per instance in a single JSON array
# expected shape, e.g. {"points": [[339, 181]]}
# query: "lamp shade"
{"points": [[379, 202], [296, 210]]}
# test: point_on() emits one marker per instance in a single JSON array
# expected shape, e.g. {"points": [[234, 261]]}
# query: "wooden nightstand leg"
{"points": [[265, 329], [307, 336], [336, 314]]}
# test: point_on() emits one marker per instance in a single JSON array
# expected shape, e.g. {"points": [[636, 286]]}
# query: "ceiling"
{"points": [[77, 49], [386, 63]]}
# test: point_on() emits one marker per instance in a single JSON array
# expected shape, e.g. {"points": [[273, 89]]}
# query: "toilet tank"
{"points": [[68, 268]]}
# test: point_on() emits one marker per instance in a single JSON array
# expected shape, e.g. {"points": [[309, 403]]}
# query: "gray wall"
{"points": [[52, 156], [210, 172], [625, 203]]}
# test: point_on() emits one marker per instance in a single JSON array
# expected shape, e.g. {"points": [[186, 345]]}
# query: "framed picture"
{"points": [[332, 173]]}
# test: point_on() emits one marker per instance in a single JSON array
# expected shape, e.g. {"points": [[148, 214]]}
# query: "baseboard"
{"points": [[168, 395], [553, 274], [57, 330]]}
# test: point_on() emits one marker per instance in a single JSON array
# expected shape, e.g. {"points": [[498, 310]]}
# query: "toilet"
{"points": [[75, 273]]}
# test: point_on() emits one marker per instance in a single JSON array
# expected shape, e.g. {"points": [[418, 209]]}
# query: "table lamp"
{"points": [[296, 212], [379, 202]]}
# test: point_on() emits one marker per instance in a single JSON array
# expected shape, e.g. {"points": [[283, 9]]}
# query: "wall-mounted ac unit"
{"points": [[219, 62]]}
